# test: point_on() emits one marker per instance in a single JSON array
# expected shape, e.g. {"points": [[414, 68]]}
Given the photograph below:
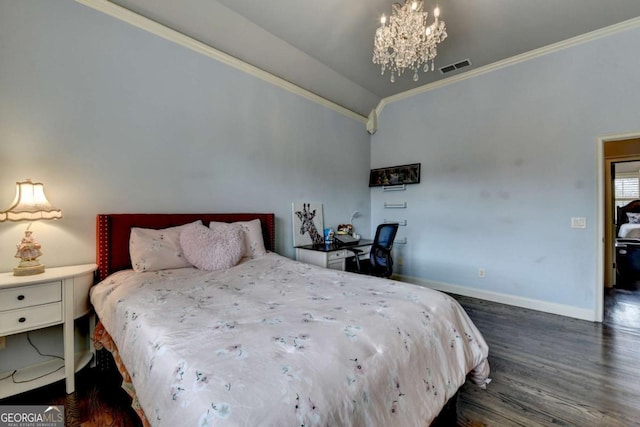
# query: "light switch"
{"points": [[578, 222]]}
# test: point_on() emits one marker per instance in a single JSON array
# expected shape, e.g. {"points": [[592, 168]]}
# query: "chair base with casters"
{"points": [[380, 262]]}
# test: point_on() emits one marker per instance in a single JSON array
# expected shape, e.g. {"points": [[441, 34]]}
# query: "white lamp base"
{"points": [[27, 268]]}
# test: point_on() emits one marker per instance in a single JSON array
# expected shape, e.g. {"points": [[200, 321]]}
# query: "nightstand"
{"points": [[56, 297]]}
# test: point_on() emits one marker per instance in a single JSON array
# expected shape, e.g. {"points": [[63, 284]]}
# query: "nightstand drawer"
{"points": [[14, 321], [27, 296]]}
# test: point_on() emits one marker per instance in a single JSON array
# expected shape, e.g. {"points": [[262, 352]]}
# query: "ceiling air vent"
{"points": [[452, 67]]}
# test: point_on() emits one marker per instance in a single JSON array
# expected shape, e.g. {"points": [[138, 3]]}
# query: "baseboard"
{"points": [[533, 304]]}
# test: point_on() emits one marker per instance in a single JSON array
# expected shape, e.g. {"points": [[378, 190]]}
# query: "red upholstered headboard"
{"points": [[113, 230]]}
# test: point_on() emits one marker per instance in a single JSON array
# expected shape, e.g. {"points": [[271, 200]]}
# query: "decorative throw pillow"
{"points": [[213, 249], [153, 250], [253, 241], [634, 218]]}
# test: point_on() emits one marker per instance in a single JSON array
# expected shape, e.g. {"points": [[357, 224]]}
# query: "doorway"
{"points": [[621, 305], [619, 156]]}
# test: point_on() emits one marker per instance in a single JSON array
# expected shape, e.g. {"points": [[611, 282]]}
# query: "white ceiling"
{"points": [[325, 46]]}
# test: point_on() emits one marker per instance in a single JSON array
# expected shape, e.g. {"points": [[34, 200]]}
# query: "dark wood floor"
{"points": [[99, 401], [622, 307], [547, 370]]}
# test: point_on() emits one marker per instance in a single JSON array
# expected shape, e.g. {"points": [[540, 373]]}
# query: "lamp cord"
{"points": [[10, 375], [39, 352], [15, 371]]}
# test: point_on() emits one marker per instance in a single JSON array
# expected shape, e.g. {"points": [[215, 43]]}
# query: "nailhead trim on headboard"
{"points": [[103, 233]]}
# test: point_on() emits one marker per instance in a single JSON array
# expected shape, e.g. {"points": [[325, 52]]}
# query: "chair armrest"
{"points": [[357, 253], [355, 250]]}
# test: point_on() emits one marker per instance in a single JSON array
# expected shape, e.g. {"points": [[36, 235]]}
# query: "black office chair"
{"points": [[380, 261]]}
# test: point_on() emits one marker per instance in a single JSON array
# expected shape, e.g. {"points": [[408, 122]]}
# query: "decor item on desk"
{"points": [[395, 175], [407, 41], [344, 229], [328, 235], [307, 220], [29, 204]]}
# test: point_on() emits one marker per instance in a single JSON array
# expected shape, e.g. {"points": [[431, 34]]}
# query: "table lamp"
{"points": [[29, 204]]}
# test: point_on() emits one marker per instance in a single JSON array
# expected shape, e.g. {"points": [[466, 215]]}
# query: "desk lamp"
{"points": [[355, 214], [29, 204]]}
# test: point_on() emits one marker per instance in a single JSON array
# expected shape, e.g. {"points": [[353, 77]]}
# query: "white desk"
{"points": [[331, 255]]}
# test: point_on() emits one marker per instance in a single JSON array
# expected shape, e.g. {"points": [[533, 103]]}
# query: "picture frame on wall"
{"points": [[308, 223], [395, 175]]}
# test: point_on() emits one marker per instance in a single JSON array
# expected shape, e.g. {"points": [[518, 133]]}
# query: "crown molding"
{"points": [[371, 122], [181, 39], [536, 53]]}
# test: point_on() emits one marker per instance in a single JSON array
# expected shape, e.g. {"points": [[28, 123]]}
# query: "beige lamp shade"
{"points": [[30, 204]]}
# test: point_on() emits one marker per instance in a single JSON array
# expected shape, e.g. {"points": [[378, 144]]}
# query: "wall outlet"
{"points": [[481, 272], [3, 342]]}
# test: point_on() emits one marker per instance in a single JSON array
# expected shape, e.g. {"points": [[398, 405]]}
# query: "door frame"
{"points": [[601, 217]]}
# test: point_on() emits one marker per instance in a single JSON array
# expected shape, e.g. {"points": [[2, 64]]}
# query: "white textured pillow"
{"points": [[253, 241], [213, 249], [634, 218], [153, 250]]}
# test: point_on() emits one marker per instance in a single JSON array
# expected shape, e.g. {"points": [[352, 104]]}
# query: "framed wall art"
{"points": [[307, 223], [395, 175]]}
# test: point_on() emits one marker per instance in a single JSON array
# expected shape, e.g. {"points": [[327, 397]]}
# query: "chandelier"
{"points": [[406, 41]]}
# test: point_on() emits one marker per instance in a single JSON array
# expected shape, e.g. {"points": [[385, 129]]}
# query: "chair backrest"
{"points": [[380, 255]]}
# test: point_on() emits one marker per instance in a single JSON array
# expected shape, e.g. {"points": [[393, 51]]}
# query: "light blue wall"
{"points": [[507, 159], [114, 119]]}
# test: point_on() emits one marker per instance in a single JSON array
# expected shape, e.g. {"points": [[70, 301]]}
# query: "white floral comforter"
{"points": [[275, 342]]}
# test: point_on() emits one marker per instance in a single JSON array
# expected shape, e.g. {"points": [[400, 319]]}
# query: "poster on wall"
{"points": [[395, 175], [307, 223]]}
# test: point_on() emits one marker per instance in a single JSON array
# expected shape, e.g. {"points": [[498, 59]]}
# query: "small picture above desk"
{"points": [[331, 255]]}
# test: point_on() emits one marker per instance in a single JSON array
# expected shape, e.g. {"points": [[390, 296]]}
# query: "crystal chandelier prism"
{"points": [[406, 41]]}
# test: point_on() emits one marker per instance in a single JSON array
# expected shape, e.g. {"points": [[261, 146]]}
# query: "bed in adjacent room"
{"points": [[627, 245], [628, 221], [271, 341]]}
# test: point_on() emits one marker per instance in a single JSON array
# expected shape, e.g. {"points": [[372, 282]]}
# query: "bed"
{"points": [[272, 341], [627, 244], [628, 221]]}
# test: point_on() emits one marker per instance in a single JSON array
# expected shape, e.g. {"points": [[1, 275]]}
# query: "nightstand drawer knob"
{"points": [[22, 319], [20, 297]]}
